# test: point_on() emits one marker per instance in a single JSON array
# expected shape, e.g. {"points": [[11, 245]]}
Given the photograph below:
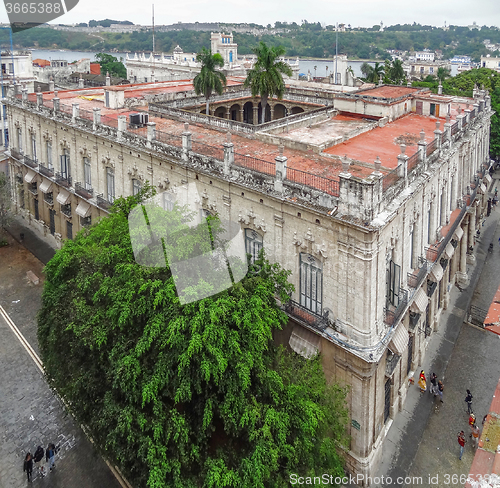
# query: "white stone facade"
{"points": [[417, 231]]}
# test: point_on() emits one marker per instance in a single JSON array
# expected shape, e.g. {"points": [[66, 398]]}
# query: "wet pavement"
{"points": [[421, 448], [30, 413]]}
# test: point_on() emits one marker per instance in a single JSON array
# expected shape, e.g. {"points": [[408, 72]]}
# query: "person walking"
{"points": [[50, 453], [433, 389], [475, 435], [28, 466], [422, 382], [38, 457], [440, 390], [468, 400], [461, 442]]}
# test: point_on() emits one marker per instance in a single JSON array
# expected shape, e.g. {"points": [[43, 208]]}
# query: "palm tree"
{"points": [[266, 76], [209, 79], [315, 67], [397, 72], [378, 71], [442, 74]]}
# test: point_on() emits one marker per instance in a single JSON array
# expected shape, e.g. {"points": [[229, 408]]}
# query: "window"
{"points": [[433, 109], [6, 138], [49, 155], [52, 221], [422, 69], [86, 221], [86, 174], [19, 140], [37, 215], [411, 247], [33, 146], [311, 283], [65, 164], [136, 187], [169, 202], [253, 244], [393, 283], [69, 229], [431, 70], [110, 184]]}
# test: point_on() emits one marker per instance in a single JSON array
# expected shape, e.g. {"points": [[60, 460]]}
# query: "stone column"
{"points": [[228, 155], [76, 112], [241, 115], [122, 126], [56, 101], [81, 83], [403, 164], [52, 85], [108, 79], [437, 135], [445, 215], [422, 147], [255, 115], [447, 128], [39, 100], [228, 113], [462, 274], [151, 133], [280, 171], [271, 108], [186, 142], [97, 118]]}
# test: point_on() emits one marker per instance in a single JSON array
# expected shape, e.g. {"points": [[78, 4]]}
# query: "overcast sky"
{"points": [[355, 12]]}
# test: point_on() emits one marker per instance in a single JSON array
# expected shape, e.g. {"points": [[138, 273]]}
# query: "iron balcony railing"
{"points": [[66, 209], [49, 198], [16, 154], [392, 314], [416, 278], [30, 162], [83, 192], [294, 309], [102, 202], [49, 172], [63, 180]]}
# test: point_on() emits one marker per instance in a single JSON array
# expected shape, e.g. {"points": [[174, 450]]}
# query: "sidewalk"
{"points": [[422, 441], [30, 413]]}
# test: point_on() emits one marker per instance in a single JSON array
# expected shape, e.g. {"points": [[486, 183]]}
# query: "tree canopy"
{"points": [[265, 79], [183, 395], [209, 79], [110, 64]]}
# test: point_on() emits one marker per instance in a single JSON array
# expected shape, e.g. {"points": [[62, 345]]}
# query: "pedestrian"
{"points": [[50, 453], [440, 390], [461, 442], [422, 383], [468, 400], [38, 458], [475, 435], [28, 466], [433, 388]]}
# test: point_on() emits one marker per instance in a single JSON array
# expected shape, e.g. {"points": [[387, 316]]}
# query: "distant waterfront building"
{"points": [[418, 69], [460, 59]]}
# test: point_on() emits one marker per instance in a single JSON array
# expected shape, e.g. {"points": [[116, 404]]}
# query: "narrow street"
{"points": [[30, 413], [422, 443]]}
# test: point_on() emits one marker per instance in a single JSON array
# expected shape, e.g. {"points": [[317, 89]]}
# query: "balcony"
{"points": [[416, 278], [300, 313], [49, 172], [103, 203], [33, 188], [391, 363], [30, 162], [66, 210], [393, 313], [16, 154], [83, 192], [63, 180], [48, 198]]}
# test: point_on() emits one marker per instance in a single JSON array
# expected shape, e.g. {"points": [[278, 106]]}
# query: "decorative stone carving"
{"points": [[134, 174], [307, 244], [106, 162], [249, 221]]}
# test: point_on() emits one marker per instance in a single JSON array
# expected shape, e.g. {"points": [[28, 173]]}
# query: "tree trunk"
{"points": [[263, 104], [207, 111]]}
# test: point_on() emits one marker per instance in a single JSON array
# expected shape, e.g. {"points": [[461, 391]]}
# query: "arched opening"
{"points": [[279, 111], [297, 110], [248, 113], [234, 112], [268, 112], [220, 112]]}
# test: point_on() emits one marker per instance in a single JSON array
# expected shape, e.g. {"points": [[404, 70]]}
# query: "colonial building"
{"points": [[372, 199]]}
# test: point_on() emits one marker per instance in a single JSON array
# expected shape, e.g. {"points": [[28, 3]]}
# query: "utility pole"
{"points": [[336, 49]]}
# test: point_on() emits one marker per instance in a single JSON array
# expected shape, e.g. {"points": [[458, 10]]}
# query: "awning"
{"points": [[487, 177], [46, 186], [449, 251], [304, 342], [83, 209], [29, 176], [482, 188], [399, 341], [458, 233], [420, 302], [63, 197], [436, 273]]}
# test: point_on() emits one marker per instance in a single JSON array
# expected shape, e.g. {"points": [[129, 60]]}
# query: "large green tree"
{"points": [[110, 64], [265, 79], [188, 395], [209, 79]]}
